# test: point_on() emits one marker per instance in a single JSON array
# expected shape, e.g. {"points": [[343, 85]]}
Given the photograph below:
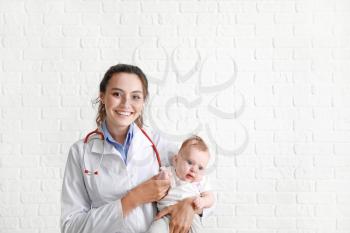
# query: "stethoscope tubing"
{"points": [[100, 134]]}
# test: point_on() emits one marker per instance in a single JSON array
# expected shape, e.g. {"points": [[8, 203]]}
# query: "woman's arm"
{"points": [[182, 214], [78, 216], [149, 191]]}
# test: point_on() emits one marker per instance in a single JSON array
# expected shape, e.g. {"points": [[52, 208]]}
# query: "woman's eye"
{"points": [[117, 94], [136, 97]]}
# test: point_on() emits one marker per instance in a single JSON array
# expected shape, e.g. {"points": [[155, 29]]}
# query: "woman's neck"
{"points": [[118, 133]]}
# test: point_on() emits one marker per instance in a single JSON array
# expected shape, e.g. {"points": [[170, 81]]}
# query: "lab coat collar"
{"points": [[138, 142]]}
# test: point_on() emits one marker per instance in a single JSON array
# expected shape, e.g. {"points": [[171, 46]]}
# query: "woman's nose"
{"points": [[125, 101]]}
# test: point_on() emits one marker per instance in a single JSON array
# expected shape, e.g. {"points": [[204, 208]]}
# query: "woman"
{"points": [[110, 182]]}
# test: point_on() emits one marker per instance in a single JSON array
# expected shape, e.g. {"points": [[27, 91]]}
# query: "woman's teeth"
{"points": [[124, 113]]}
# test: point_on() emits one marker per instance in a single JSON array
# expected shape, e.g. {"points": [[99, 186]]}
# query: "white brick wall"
{"points": [[280, 132]]}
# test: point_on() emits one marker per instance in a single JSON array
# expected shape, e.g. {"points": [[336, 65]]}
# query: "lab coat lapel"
{"points": [[109, 149], [138, 144]]}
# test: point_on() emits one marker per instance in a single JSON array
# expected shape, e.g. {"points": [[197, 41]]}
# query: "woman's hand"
{"points": [[151, 190], [181, 213]]}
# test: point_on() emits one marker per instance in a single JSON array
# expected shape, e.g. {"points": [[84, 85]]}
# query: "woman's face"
{"points": [[123, 100]]}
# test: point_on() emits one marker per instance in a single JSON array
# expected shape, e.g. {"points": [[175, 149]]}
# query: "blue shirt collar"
{"points": [[111, 140]]}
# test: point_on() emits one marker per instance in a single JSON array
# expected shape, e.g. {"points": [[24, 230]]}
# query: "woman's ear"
{"points": [[102, 96]]}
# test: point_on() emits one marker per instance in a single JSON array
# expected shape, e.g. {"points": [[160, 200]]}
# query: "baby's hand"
{"points": [[198, 203], [163, 174]]}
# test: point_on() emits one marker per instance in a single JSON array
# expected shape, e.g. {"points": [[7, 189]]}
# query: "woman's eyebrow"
{"points": [[118, 89]]}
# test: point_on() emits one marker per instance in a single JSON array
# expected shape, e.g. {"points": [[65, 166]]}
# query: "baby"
{"points": [[187, 180]]}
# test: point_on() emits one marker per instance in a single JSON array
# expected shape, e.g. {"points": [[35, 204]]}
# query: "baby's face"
{"points": [[190, 164]]}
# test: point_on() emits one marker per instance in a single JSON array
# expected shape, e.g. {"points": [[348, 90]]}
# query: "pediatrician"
{"points": [[110, 182]]}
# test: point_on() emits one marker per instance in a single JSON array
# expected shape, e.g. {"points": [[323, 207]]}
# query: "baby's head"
{"points": [[192, 159]]}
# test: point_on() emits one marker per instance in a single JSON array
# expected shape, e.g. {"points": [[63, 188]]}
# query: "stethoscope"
{"points": [[101, 136]]}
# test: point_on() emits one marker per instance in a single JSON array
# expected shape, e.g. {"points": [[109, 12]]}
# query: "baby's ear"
{"points": [[174, 159]]}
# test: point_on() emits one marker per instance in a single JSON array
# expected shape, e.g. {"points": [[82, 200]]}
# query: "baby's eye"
{"points": [[201, 168], [189, 162]]}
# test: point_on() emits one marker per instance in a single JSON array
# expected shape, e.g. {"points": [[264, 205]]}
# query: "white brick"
{"points": [[255, 210], [119, 30], [321, 6], [157, 7], [295, 210], [343, 198], [39, 197], [78, 31], [288, 42], [224, 209], [51, 185], [42, 125], [314, 173], [10, 198], [255, 186], [276, 223], [48, 210], [78, 54], [242, 198], [56, 160], [217, 19], [276, 53], [332, 186], [9, 222], [111, 6], [236, 30], [275, 173], [59, 42], [253, 42], [39, 222], [41, 54], [15, 6], [34, 101], [330, 136], [313, 148], [9, 173], [295, 186], [274, 149], [10, 78], [291, 136], [343, 224], [17, 113], [275, 30], [316, 198], [235, 173], [17, 161], [325, 210], [294, 161], [20, 186], [198, 6], [39, 173], [60, 66], [237, 7], [83, 6], [237, 222], [100, 19], [311, 223], [254, 161]]}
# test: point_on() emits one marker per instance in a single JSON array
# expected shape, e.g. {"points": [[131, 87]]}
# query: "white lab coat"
{"points": [[92, 203]]}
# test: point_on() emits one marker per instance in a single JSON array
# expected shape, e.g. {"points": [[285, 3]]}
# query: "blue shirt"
{"points": [[122, 148]]}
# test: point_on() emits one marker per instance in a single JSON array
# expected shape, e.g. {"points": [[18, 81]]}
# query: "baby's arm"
{"points": [[205, 200]]}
